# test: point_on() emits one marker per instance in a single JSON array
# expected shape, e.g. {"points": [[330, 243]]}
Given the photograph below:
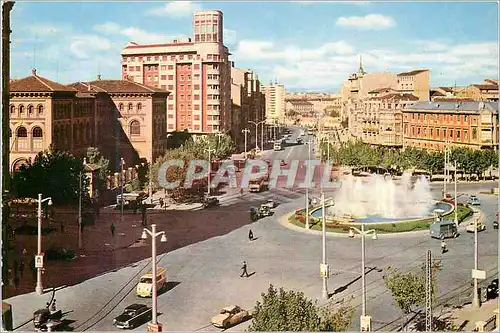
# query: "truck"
{"points": [[258, 185]]}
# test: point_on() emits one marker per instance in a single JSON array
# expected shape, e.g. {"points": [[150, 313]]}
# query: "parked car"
{"points": [[59, 254], [480, 226], [495, 224], [134, 315], [264, 211], [230, 316], [474, 201], [210, 202], [492, 290], [270, 203]]}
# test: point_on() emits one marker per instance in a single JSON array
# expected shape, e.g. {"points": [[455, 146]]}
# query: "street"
{"points": [[204, 275]]}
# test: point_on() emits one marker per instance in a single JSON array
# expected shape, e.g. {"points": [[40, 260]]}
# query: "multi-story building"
{"points": [[275, 102], [379, 120], [415, 82], [487, 91], [197, 72], [301, 107], [121, 118], [319, 101], [469, 124]]}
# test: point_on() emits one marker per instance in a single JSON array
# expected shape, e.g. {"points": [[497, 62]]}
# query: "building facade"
{"points": [[467, 124], [487, 91], [275, 102], [196, 71], [120, 118]]}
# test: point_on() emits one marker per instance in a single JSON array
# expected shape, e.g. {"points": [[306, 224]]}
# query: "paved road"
{"points": [[205, 275]]}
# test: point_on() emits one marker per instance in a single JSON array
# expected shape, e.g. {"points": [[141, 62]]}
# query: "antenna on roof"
{"points": [[98, 69]]}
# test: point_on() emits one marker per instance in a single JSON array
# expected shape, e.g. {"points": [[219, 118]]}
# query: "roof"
{"points": [[133, 45], [453, 99], [35, 83], [447, 89], [454, 106], [300, 102], [491, 81], [379, 90], [115, 86], [434, 92], [414, 72], [486, 86], [396, 96]]}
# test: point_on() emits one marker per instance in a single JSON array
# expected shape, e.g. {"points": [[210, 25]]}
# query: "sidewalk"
{"points": [[466, 317]]}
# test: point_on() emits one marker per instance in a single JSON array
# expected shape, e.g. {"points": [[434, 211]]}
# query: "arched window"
{"points": [[37, 132], [30, 109], [40, 109], [135, 128], [22, 132], [139, 107], [130, 107], [21, 108], [120, 107], [12, 108]]}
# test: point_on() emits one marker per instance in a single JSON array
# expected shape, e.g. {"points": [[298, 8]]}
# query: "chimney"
{"points": [[33, 71], [98, 77]]}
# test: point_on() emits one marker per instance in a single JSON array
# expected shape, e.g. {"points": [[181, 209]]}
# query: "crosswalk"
{"points": [[280, 195]]}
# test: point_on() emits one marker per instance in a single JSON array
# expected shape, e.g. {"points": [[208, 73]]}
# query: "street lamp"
{"points": [[39, 287], [166, 140], [257, 132], [307, 187], [80, 207], [245, 132], [324, 265], [365, 321], [456, 203], [154, 326], [122, 163], [209, 151], [447, 152]]}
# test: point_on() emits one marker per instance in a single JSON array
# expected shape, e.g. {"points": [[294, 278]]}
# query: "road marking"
{"points": [[291, 149]]}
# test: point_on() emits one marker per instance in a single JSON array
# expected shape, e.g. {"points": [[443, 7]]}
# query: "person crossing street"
{"points": [[244, 270], [443, 247]]}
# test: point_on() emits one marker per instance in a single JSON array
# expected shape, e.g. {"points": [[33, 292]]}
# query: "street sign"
{"points": [[323, 268], [365, 323], [478, 274], [39, 261]]}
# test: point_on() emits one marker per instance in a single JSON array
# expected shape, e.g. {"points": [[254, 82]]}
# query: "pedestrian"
{"points": [[161, 203], [244, 268], [113, 228], [241, 191], [443, 246], [21, 268], [250, 235]]}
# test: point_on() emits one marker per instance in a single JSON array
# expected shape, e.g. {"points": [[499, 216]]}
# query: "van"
{"points": [[145, 285], [443, 229]]}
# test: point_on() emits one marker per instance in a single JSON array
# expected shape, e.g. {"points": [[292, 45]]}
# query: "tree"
{"points": [[434, 162], [282, 310], [94, 156], [53, 173]]}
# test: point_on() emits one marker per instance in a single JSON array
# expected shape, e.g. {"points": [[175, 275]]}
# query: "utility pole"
{"points": [[307, 187], [210, 151], [246, 131], [456, 202], [80, 212], [428, 292], [445, 167], [324, 293], [476, 303]]}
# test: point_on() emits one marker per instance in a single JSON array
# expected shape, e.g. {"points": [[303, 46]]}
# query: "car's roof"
{"points": [[230, 307], [135, 306]]}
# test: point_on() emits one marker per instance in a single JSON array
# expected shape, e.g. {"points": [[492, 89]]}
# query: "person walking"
{"points": [[250, 235], [113, 228], [21, 268], [161, 203], [244, 270], [443, 247]]}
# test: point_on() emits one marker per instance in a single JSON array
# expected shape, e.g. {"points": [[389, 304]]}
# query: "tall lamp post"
{"points": [[209, 151], [307, 187], [365, 321], [324, 265], [39, 286], [446, 161], [80, 210], [122, 180], [154, 326], [256, 132], [245, 132], [456, 203], [476, 303]]}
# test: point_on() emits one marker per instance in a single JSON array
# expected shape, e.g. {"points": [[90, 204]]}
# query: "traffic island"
{"points": [[299, 219]]}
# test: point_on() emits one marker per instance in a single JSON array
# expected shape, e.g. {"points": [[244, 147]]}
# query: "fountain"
{"points": [[381, 200]]}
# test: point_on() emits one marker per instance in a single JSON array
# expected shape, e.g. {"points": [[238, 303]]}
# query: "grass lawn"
{"points": [[463, 213]]}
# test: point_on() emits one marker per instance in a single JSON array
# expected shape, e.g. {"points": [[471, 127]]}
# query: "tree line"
{"points": [[357, 154]]}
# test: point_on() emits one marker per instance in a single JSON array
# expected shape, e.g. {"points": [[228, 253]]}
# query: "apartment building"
{"points": [[415, 82], [468, 124], [319, 101], [121, 118], [248, 103], [301, 107], [486, 91], [197, 72], [379, 120], [275, 102]]}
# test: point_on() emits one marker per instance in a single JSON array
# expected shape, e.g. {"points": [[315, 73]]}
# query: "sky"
{"points": [[305, 45]]}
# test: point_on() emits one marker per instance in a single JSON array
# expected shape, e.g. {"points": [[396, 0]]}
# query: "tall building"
{"points": [[197, 72], [121, 118], [275, 102]]}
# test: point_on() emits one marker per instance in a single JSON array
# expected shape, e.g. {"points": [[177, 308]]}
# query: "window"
{"points": [[170, 106], [182, 87], [170, 87], [164, 58], [139, 107], [451, 133], [458, 136], [465, 118], [190, 56], [170, 67], [474, 134], [170, 77], [432, 131], [156, 78], [215, 66], [12, 109], [148, 58], [196, 106], [196, 117], [22, 132], [149, 77], [163, 67], [30, 109], [120, 107], [130, 107], [157, 58], [196, 87], [37, 132], [197, 66], [21, 108], [189, 77], [196, 97], [135, 128], [182, 77], [418, 131], [466, 135], [182, 97]]}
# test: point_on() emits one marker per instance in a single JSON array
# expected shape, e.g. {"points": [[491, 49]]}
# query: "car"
{"points": [[270, 203], [230, 316], [474, 201], [492, 290], [59, 254], [210, 202], [480, 226], [495, 224], [299, 141], [134, 315]]}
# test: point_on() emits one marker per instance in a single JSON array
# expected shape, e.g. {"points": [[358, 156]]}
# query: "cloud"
{"points": [[175, 9], [368, 22], [84, 47], [44, 29], [131, 33], [230, 36]]}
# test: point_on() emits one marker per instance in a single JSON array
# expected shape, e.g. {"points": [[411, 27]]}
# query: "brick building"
{"points": [[469, 124], [197, 72], [121, 118]]}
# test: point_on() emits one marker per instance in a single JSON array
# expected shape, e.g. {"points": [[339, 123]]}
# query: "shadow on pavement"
{"points": [[169, 286], [344, 287]]}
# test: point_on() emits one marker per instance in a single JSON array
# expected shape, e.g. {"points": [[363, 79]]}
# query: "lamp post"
{"points": [[39, 287], [446, 160], [209, 151], [166, 140], [324, 266], [307, 187], [80, 211], [245, 132], [365, 321], [154, 326], [256, 131], [456, 203], [475, 295], [122, 163]]}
